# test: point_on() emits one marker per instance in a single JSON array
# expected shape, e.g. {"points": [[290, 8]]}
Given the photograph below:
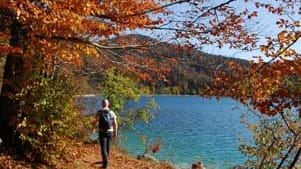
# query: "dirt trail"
{"points": [[118, 160], [87, 156]]}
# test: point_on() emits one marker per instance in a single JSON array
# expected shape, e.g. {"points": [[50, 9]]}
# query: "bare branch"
{"points": [[176, 29], [142, 12], [99, 46], [287, 125], [213, 8], [266, 154], [144, 67], [286, 155], [156, 9], [117, 46]]}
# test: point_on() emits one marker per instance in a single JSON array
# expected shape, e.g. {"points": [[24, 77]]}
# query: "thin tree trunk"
{"points": [[295, 159], [10, 68], [285, 157], [2, 68], [264, 157]]}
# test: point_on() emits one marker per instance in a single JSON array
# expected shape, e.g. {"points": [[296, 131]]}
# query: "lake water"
{"points": [[193, 129]]}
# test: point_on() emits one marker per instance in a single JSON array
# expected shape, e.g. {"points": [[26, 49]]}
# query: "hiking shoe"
{"points": [[105, 165]]}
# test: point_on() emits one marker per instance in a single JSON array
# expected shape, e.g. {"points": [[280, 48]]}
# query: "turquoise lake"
{"points": [[192, 129]]}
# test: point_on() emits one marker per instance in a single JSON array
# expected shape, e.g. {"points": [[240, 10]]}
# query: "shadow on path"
{"points": [[98, 162]]}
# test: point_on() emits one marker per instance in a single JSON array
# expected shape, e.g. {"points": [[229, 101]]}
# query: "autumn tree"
{"points": [[275, 140], [271, 83], [45, 36], [41, 39], [48, 35]]}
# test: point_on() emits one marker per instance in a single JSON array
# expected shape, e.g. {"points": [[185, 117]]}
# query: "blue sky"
{"points": [[263, 25]]}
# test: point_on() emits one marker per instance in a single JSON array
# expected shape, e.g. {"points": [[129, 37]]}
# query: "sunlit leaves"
{"points": [[267, 86], [121, 90], [45, 117], [276, 140], [60, 31]]}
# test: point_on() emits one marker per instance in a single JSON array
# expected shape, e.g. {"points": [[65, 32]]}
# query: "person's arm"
{"points": [[115, 127], [94, 122]]}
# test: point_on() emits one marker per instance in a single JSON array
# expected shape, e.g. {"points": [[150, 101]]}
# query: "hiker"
{"points": [[108, 127]]}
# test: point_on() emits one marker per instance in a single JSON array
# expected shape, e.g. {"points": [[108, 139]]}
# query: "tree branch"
{"points": [[213, 8], [142, 12], [97, 45], [175, 29], [155, 9], [133, 46], [273, 59], [266, 154], [295, 159], [286, 155], [287, 125]]}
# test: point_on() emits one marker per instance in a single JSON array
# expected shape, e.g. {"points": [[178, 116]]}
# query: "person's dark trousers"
{"points": [[105, 141]]}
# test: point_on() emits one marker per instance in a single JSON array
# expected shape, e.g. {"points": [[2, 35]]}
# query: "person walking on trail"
{"points": [[108, 128]]}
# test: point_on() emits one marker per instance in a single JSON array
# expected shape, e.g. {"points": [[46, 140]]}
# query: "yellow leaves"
{"points": [[289, 52], [282, 35], [252, 127], [23, 123], [39, 133], [18, 13], [297, 23]]}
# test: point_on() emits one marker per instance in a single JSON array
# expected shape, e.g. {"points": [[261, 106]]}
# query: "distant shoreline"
{"points": [[94, 95]]}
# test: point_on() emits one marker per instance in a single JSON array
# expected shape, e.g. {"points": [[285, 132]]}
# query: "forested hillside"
{"points": [[189, 69]]}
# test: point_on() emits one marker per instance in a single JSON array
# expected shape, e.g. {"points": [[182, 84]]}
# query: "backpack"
{"points": [[105, 120]]}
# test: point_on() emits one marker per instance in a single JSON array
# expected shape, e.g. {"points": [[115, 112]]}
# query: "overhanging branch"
{"points": [[213, 8], [98, 45]]}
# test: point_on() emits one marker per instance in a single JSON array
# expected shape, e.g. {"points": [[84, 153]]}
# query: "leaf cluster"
{"points": [[45, 118], [276, 140], [121, 91]]}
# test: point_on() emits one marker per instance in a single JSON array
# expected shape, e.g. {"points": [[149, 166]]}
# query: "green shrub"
{"points": [[45, 119], [119, 89]]}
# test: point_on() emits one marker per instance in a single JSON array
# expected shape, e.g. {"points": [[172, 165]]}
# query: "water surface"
{"points": [[192, 129]]}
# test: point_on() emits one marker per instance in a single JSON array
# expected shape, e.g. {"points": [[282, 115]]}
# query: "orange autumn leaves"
{"points": [[76, 18], [61, 32], [272, 83], [269, 87]]}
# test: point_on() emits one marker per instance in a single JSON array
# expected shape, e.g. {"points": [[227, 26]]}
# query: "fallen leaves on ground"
{"points": [[87, 156]]}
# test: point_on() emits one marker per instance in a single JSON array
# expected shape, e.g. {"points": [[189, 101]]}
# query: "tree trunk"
{"points": [[10, 75], [2, 67]]}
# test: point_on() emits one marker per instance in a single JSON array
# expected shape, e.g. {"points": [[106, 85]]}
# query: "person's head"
{"points": [[105, 103]]}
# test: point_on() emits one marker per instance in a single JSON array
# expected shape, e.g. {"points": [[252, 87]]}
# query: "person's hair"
{"points": [[105, 102]]}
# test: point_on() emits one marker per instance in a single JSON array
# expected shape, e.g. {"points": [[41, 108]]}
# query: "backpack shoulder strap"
{"points": [[98, 113]]}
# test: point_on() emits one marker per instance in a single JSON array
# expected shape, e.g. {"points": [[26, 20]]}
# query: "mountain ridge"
{"points": [[188, 75]]}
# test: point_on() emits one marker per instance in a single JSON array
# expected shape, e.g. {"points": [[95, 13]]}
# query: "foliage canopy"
{"points": [[57, 33]]}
